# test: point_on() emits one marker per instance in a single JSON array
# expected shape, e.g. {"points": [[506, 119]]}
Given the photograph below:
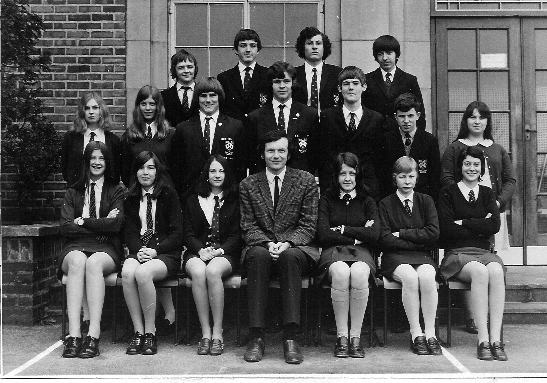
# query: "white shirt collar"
{"points": [[287, 104], [242, 67], [211, 196], [192, 85], [144, 192], [358, 113], [352, 194], [309, 68], [98, 133], [214, 117], [99, 183], [271, 177], [412, 133], [391, 71], [402, 198], [486, 142], [465, 190]]}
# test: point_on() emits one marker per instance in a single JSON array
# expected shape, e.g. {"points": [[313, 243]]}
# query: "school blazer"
{"points": [[328, 88], [174, 113], [197, 229], [168, 236], [376, 97], [425, 150], [189, 155], [238, 103], [294, 220], [365, 143], [302, 131], [72, 152]]}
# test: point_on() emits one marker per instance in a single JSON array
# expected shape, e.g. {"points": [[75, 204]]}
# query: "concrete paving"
{"points": [[524, 344]]}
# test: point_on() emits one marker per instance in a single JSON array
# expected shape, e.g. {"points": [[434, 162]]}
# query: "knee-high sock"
{"points": [[357, 306], [340, 306]]}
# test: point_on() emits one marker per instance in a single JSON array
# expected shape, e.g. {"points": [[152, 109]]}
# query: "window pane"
{"points": [[221, 59], [454, 120], [493, 41], [500, 130], [297, 17], [462, 49], [462, 89], [267, 21], [292, 56], [541, 125], [268, 56], [494, 89], [191, 24], [226, 20], [541, 91], [202, 57], [541, 48]]}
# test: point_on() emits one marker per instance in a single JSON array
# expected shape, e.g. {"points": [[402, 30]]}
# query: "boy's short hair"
{"points": [[306, 34], [180, 56], [405, 102], [277, 70], [351, 72], [247, 34], [386, 43], [210, 84], [404, 164]]}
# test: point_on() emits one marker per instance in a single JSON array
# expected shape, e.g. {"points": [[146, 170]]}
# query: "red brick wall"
{"points": [[87, 44]]}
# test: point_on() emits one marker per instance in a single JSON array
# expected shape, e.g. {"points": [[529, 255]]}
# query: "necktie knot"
{"points": [[149, 132], [247, 69], [185, 87], [314, 70], [388, 77], [346, 198], [408, 139], [93, 185], [472, 198], [407, 207], [148, 196], [217, 200], [92, 136]]}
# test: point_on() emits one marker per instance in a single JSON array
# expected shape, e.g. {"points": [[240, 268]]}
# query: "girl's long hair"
{"points": [[80, 125], [83, 181], [137, 130], [160, 182], [229, 187]]}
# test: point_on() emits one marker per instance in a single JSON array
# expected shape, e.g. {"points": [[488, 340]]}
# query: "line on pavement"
{"points": [[455, 362], [35, 359]]}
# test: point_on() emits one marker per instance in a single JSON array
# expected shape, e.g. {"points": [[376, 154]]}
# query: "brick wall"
{"points": [[87, 43]]}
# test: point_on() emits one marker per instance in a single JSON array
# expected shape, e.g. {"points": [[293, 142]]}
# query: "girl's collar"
{"points": [[486, 142]]}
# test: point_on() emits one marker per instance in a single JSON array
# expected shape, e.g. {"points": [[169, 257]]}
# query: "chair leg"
{"points": [[306, 335], [385, 317], [187, 303], [238, 316], [371, 316], [63, 314], [449, 320], [114, 309], [177, 315], [318, 336]]}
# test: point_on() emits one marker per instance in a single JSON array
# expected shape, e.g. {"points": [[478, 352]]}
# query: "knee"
{"points": [[143, 276], [128, 274], [93, 266], [287, 258], [258, 255], [76, 261], [427, 278], [360, 272], [410, 281], [495, 273], [340, 275], [213, 274], [480, 275]]}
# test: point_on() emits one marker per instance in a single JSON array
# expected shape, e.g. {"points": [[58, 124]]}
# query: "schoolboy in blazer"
{"points": [[299, 121], [244, 92], [178, 107], [380, 96], [193, 146], [362, 137], [314, 47]]}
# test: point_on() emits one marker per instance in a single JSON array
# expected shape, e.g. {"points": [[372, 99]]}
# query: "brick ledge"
{"points": [[35, 230]]}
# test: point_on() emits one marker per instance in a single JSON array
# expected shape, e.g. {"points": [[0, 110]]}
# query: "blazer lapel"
{"points": [[301, 81], [265, 191], [236, 80], [380, 81], [218, 130], [286, 188], [269, 115], [294, 116]]}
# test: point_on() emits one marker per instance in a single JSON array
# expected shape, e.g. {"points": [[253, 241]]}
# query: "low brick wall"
{"points": [[29, 265]]}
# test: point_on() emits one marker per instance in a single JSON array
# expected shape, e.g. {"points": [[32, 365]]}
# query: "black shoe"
{"points": [[470, 326], [204, 346], [72, 347], [484, 352], [419, 346], [150, 344], [355, 349], [434, 346], [90, 348], [341, 347], [255, 350], [135, 346], [164, 327], [498, 351], [292, 352], [217, 347]]}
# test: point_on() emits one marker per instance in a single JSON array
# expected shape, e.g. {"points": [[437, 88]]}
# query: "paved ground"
{"points": [[524, 345]]}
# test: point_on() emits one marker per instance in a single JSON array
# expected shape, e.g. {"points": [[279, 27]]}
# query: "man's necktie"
{"points": [[247, 79], [207, 134], [185, 104], [215, 229], [92, 203], [407, 207], [352, 126], [472, 198], [281, 118], [276, 192], [388, 82], [346, 198], [92, 136], [149, 133], [408, 142], [314, 97], [149, 221]]}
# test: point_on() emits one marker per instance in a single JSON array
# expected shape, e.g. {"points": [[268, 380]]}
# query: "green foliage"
{"points": [[30, 142]]}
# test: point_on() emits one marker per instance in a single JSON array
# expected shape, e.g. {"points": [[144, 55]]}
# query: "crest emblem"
{"points": [[336, 98], [422, 166], [262, 99], [302, 144], [228, 147]]}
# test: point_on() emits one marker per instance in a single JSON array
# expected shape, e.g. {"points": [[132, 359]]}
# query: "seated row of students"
{"points": [[279, 214]]}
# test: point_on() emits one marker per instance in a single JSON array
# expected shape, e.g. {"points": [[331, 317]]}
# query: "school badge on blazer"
{"points": [[422, 166], [262, 99], [336, 98], [228, 147], [302, 142]]}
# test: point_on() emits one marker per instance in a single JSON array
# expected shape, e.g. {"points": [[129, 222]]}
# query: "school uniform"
{"points": [[301, 125], [167, 226], [197, 225], [381, 99], [175, 113], [72, 152], [328, 85], [239, 102]]}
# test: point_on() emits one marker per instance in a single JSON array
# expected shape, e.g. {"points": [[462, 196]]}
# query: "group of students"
{"points": [[188, 188]]}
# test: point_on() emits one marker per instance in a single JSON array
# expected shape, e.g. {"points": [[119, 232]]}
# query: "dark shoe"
{"points": [[204, 345], [292, 352], [341, 347], [90, 348], [135, 346], [150, 344], [498, 351], [355, 349], [164, 327], [419, 346], [255, 350], [484, 352], [72, 347], [470, 327], [434, 346], [217, 347]]}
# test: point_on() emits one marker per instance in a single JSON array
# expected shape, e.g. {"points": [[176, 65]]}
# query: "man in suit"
{"points": [[354, 128], [209, 132], [419, 144], [178, 98], [299, 121], [245, 84], [278, 218], [317, 81], [389, 81]]}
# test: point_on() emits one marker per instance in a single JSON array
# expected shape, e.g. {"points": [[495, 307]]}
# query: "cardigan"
{"points": [[475, 230]]}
